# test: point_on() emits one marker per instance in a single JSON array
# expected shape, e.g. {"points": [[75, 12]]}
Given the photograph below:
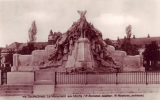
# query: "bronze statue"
{"points": [[83, 23]]}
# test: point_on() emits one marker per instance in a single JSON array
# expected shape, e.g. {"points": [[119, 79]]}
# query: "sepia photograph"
{"points": [[80, 49]]}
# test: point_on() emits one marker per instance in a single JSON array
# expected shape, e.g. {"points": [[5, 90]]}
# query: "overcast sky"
{"points": [[109, 16]]}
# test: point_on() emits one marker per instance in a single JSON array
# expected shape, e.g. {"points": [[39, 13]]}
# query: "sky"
{"points": [[111, 17]]}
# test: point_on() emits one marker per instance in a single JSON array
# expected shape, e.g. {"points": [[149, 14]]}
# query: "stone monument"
{"points": [[80, 49]]}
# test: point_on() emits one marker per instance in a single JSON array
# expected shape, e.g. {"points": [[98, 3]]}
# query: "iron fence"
{"points": [[108, 78]]}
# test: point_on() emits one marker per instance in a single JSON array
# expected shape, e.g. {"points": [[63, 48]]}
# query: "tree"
{"points": [[108, 41], [151, 54], [51, 33], [128, 31], [130, 49], [9, 57], [27, 50], [148, 36], [32, 38], [32, 32], [134, 36]]}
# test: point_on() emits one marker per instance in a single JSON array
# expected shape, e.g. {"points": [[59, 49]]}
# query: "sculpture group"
{"points": [[65, 43], [80, 47]]}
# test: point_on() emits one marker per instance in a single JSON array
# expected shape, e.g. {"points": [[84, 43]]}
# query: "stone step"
{"points": [[19, 86], [15, 94], [107, 89], [16, 88], [88, 91], [31, 91], [99, 88], [107, 86]]}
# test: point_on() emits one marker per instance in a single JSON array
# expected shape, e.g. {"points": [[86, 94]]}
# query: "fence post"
{"points": [[86, 78], [116, 78], [6, 77], [55, 78], [0, 77], [146, 79]]}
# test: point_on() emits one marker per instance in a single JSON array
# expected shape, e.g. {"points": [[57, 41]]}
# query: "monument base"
{"points": [[142, 69], [44, 82], [14, 68], [20, 78], [44, 87]]}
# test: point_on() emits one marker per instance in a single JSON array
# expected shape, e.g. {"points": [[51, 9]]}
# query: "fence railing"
{"points": [[108, 78]]}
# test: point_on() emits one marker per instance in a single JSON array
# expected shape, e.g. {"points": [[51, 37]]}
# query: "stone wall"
{"points": [[49, 49], [39, 57], [118, 56], [33, 61], [129, 63], [24, 60], [110, 49], [133, 63]]}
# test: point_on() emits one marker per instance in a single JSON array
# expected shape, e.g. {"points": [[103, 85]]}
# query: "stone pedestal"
{"points": [[44, 82], [20, 78], [15, 62], [0, 77], [15, 59], [81, 55], [84, 56], [84, 50]]}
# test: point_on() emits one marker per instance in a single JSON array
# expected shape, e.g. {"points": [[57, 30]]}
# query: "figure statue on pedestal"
{"points": [[101, 53], [65, 51], [93, 47], [83, 24], [71, 44], [60, 54], [82, 13], [97, 48], [76, 35]]}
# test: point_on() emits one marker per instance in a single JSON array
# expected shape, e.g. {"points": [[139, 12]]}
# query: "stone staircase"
{"points": [[62, 89], [16, 90], [106, 89]]}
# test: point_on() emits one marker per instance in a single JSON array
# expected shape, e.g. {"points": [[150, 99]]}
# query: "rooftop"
{"points": [[143, 40]]}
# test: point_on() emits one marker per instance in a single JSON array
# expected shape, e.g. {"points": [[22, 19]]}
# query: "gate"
{"points": [[4, 71], [3, 76]]}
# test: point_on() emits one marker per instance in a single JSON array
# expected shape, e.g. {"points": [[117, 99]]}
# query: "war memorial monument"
{"points": [[75, 60]]}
